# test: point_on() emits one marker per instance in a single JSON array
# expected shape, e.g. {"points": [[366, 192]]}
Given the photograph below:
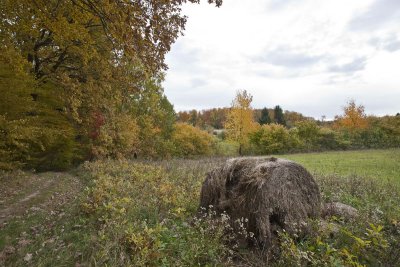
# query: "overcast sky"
{"points": [[309, 56]]}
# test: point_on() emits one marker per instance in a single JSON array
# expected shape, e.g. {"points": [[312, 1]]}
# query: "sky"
{"points": [[309, 56]]}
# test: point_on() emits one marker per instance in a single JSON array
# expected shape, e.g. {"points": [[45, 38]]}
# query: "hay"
{"points": [[270, 193]]}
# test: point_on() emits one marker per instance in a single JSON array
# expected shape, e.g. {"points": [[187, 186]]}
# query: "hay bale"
{"points": [[270, 193]]}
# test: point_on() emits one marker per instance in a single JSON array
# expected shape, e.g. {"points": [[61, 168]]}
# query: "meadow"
{"points": [[125, 213], [381, 164]]}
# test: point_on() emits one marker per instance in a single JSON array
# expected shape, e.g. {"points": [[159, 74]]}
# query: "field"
{"points": [[120, 213], [379, 164]]}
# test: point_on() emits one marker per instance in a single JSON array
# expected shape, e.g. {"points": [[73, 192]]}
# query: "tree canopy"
{"points": [[90, 70]]}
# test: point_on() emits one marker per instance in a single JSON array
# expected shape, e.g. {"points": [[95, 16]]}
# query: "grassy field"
{"points": [[381, 164], [121, 213]]}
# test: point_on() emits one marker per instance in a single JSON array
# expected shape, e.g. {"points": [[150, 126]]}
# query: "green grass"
{"points": [[381, 164]]}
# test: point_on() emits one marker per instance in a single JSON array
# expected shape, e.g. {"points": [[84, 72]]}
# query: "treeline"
{"points": [[215, 118], [351, 130], [246, 131]]}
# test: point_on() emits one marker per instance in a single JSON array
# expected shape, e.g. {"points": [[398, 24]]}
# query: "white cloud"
{"points": [[306, 55]]}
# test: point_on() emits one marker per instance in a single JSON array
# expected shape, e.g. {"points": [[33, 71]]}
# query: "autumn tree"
{"points": [[156, 117], [354, 117], [279, 118], [265, 118], [87, 64], [240, 120]]}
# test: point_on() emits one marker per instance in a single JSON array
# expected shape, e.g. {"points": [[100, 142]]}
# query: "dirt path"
{"points": [[32, 206], [22, 193], [21, 205]]}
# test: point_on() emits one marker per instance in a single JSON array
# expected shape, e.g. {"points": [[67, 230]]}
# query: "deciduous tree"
{"points": [[354, 117], [240, 120]]}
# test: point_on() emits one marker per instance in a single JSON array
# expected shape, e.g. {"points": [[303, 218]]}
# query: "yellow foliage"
{"points": [[117, 138], [240, 122], [191, 141]]}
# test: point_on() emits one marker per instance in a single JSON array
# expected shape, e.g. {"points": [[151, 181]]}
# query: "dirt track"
{"points": [[22, 193]]}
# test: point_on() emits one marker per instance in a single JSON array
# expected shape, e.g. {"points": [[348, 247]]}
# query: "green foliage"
{"points": [[156, 118], [225, 148], [308, 132], [369, 240], [369, 249], [279, 118], [265, 118], [272, 139]]}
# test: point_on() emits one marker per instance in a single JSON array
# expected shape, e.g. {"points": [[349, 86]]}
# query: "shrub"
{"points": [[308, 132], [191, 141], [273, 138]]}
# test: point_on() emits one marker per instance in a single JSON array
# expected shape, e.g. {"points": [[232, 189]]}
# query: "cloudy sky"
{"points": [[309, 56]]}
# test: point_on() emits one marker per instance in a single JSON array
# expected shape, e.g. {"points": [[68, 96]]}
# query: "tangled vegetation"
{"points": [[146, 214]]}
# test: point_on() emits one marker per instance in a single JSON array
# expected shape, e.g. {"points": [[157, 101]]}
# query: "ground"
{"points": [[41, 221], [31, 205]]}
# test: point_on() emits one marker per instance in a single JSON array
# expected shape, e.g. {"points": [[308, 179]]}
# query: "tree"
{"points": [[354, 117], [265, 118], [240, 119], [34, 131], [156, 117], [88, 63], [279, 118], [194, 117]]}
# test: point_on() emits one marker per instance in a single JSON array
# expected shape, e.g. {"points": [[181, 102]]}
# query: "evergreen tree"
{"points": [[278, 116], [265, 118]]}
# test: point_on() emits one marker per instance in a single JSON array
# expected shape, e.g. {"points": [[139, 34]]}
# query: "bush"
{"points": [[272, 139], [191, 141], [308, 133]]}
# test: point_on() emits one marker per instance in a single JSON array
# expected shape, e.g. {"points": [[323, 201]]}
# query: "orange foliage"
{"points": [[354, 117]]}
